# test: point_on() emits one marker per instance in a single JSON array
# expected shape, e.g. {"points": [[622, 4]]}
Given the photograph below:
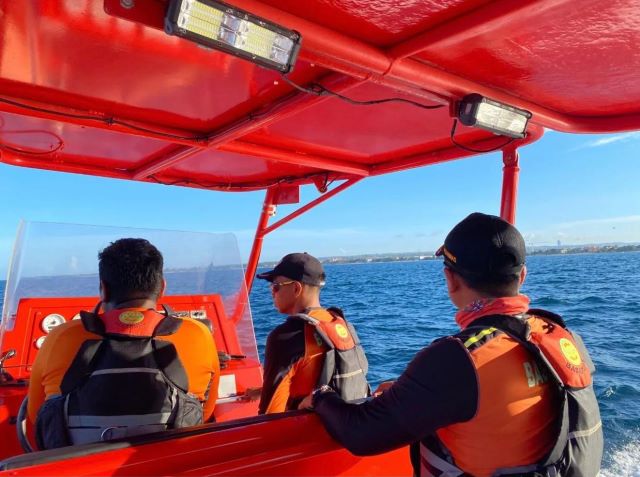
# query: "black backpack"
{"points": [[117, 387]]}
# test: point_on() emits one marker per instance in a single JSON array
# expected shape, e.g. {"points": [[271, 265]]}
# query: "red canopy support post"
{"points": [[268, 209], [510, 173]]}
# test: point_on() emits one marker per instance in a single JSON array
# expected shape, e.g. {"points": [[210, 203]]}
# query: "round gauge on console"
{"points": [[49, 322], [39, 342]]}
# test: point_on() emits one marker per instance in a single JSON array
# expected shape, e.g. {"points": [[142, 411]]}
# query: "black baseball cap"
{"points": [[484, 246], [300, 267]]}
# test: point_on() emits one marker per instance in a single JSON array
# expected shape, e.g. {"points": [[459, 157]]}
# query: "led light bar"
{"points": [[476, 110], [229, 29]]}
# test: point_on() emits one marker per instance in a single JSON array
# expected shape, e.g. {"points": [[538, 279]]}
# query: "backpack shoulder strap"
{"points": [[169, 325], [81, 366], [168, 361], [92, 322]]}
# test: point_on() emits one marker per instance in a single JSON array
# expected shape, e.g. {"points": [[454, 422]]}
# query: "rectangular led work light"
{"points": [[220, 26], [476, 110]]}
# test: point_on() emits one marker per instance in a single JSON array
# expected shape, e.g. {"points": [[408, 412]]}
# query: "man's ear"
{"points": [[298, 289], [104, 293], [162, 288], [453, 280], [523, 274]]}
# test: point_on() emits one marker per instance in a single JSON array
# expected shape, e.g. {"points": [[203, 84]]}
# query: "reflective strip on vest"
{"points": [[348, 375], [477, 337], [586, 432], [432, 465]]}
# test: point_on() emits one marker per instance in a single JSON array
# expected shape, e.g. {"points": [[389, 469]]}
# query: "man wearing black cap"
{"points": [[295, 354], [510, 393]]}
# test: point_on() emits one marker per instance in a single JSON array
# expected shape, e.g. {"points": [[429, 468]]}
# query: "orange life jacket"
{"points": [[528, 378], [345, 365], [332, 355]]}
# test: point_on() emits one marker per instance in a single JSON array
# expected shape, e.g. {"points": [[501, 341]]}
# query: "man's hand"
{"points": [[382, 388], [307, 402], [252, 394]]}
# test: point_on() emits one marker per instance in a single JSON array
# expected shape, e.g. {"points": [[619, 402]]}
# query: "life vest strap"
{"points": [[94, 323]]}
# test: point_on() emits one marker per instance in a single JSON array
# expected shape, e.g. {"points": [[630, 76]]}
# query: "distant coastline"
{"points": [[419, 256]]}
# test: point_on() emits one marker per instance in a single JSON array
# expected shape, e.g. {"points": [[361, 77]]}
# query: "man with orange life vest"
{"points": [[124, 369], [510, 394], [314, 346]]}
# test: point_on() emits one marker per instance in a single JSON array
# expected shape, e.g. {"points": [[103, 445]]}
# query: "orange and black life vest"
{"points": [[308, 350], [345, 364], [552, 428], [124, 384]]}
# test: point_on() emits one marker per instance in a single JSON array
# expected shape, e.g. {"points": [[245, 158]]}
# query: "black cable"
{"points": [[316, 91], [470, 149], [108, 121], [319, 90], [203, 138], [44, 110]]}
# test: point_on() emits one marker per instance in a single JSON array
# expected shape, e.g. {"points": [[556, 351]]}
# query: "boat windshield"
{"points": [[61, 260]]}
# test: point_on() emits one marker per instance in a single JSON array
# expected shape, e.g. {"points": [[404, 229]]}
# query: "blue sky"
{"points": [[573, 188]]}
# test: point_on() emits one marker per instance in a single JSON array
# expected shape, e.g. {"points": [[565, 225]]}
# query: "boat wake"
{"points": [[624, 461]]}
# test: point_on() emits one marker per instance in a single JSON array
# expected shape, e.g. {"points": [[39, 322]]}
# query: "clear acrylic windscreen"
{"points": [[61, 260]]}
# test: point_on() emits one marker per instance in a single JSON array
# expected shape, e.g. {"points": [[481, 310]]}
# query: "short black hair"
{"points": [[131, 268], [496, 287]]}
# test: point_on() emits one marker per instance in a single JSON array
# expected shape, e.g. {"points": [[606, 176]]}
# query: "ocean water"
{"points": [[398, 308]]}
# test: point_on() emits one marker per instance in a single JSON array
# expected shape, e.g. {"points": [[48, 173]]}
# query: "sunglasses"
{"points": [[275, 286]]}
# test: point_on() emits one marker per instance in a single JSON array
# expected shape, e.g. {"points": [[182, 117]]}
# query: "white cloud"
{"points": [[603, 141]]}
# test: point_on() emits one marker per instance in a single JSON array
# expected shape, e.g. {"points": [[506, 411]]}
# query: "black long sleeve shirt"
{"points": [[438, 388]]}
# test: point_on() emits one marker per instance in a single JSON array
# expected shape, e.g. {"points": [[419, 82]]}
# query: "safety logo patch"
{"points": [[570, 352], [342, 331], [131, 317]]}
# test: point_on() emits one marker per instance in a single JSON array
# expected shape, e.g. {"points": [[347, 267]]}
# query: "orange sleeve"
{"points": [[297, 384], [52, 361], [280, 397], [293, 361], [36, 390], [199, 357]]}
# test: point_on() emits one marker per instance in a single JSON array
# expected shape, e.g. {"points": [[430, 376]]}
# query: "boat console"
{"points": [[37, 301]]}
